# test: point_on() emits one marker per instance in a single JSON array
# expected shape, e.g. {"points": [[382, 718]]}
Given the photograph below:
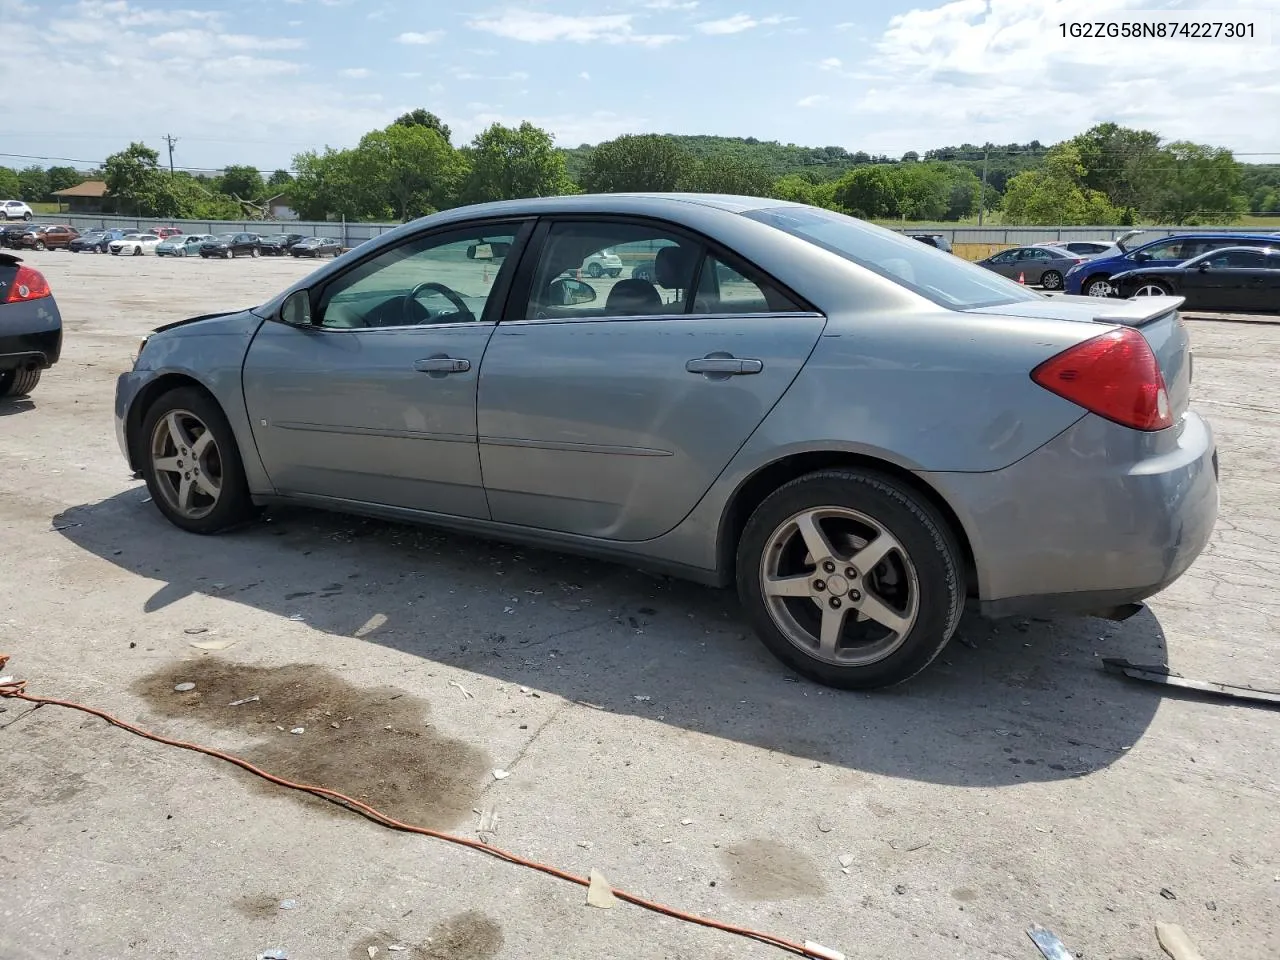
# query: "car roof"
{"points": [[1212, 236]]}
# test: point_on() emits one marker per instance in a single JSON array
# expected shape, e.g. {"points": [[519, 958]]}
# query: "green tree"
{"points": [[279, 181], [647, 162], [10, 185], [792, 187], [135, 182], [425, 118], [1192, 182], [726, 173], [923, 189], [1055, 194], [1115, 161], [244, 182], [871, 192], [60, 178], [507, 163], [33, 184], [325, 186], [412, 167]]}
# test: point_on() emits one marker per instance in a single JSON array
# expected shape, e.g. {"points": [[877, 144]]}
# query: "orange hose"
{"points": [[16, 689]]}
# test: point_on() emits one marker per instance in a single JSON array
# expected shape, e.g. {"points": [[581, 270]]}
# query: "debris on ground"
{"points": [[276, 954], [501, 774], [824, 825], [488, 824], [466, 694], [599, 892], [1175, 942], [215, 644], [900, 889], [641, 698], [298, 731], [846, 860], [585, 844], [240, 703], [1168, 894], [288, 904], [192, 631], [1161, 674], [686, 823], [910, 845], [1048, 943], [186, 687]]}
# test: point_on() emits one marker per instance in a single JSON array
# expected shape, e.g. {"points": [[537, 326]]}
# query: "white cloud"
{"points": [[295, 23], [812, 100], [738, 23], [536, 26], [672, 4], [420, 39], [356, 73], [962, 70], [831, 63], [584, 75], [411, 75]]}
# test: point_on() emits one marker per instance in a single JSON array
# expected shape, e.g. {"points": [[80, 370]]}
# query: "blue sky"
{"points": [[255, 81]]}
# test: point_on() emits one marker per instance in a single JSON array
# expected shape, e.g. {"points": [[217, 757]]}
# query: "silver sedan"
{"points": [[1044, 265], [857, 431]]}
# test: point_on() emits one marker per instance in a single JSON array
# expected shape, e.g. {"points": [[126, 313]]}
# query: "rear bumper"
{"points": [[1099, 517], [30, 334]]}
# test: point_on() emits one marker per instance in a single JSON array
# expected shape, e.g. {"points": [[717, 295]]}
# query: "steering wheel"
{"points": [[464, 312]]}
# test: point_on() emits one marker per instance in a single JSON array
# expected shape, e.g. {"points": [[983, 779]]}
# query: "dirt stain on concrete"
{"points": [[762, 870], [371, 743], [965, 895], [464, 936], [258, 907]]}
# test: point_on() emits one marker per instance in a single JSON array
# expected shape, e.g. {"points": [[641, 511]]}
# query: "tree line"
{"points": [[1106, 175]]}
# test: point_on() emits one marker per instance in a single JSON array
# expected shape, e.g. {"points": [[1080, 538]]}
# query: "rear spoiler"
{"points": [[1138, 311]]}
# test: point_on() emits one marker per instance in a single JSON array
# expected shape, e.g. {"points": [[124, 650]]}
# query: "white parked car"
{"points": [[604, 262], [15, 210], [135, 244]]}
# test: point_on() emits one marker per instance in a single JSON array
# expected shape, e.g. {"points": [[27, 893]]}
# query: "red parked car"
{"points": [[164, 233]]}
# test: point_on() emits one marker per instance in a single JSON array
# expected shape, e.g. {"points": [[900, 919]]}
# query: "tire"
{"points": [[254, 252], [26, 216], [39, 244], [180, 495], [1096, 286], [19, 383], [1152, 288], [918, 585], [615, 273], [595, 271], [137, 251], [1051, 280]]}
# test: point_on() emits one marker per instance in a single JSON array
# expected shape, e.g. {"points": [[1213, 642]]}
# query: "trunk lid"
{"points": [[1156, 318]]}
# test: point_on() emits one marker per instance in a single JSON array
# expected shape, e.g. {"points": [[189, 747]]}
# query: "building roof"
{"points": [[96, 189]]}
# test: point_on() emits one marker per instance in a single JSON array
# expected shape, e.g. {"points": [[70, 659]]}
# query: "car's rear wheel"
{"points": [[1152, 288], [137, 251], [850, 578], [19, 383], [595, 271], [1051, 280], [26, 216], [39, 244], [1097, 287], [253, 252], [192, 464]]}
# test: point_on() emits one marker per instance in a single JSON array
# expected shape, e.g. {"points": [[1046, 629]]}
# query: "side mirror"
{"points": [[567, 293], [296, 309], [1142, 257]]}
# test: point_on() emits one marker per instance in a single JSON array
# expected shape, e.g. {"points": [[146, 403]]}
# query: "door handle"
{"points": [[724, 366], [442, 365]]}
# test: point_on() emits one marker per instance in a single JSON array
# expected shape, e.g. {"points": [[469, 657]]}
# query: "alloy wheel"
{"points": [[1151, 290], [839, 586], [1099, 288], [187, 464]]}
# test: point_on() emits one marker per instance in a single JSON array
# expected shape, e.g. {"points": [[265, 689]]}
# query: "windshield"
{"points": [[225, 237], [943, 278]]}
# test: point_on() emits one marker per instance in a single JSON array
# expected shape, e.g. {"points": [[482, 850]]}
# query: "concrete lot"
{"points": [[646, 734]]}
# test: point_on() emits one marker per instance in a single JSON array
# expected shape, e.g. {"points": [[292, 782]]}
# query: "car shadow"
{"points": [[9, 407], [1007, 702]]}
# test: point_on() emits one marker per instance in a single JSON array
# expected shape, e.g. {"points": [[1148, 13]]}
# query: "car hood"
{"points": [[1163, 269], [225, 322]]}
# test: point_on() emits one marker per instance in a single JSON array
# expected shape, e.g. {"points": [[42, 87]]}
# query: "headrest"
{"points": [[633, 296], [673, 267]]}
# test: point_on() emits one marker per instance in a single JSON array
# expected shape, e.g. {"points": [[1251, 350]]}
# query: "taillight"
{"points": [[28, 284], [1114, 375]]}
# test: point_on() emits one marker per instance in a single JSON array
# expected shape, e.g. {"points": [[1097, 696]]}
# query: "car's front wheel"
{"points": [[137, 251], [1097, 287], [850, 578], [1152, 288], [253, 252], [1051, 280], [192, 464], [26, 216], [19, 383]]}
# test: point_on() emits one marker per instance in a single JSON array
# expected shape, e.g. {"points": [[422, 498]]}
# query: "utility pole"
{"points": [[170, 141], [982, 196]]}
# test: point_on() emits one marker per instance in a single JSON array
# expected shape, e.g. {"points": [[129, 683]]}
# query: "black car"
{"points": [[231, 245], [933, 240], [277, 245], [30, 327], [95, 241], [11, 234], [317, 247], [1230, 278]]}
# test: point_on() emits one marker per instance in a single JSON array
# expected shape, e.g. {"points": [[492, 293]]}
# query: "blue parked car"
{"points": [[96, 241], [183, 245], [1093, 277]]}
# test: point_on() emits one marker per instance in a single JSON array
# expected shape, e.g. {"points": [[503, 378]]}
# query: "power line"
{"points": [[170, 140]]}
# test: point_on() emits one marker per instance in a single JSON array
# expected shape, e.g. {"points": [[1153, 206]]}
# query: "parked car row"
{"points": [[165, 242]]}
